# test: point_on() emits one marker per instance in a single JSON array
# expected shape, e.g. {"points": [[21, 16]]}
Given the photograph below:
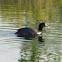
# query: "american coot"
{"points": [[30, 32]]}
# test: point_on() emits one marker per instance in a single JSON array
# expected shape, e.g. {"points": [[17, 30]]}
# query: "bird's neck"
{"points": [[40, 29]]}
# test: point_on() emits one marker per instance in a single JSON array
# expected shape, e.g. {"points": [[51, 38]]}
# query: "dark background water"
{"points": [[16, 14]]}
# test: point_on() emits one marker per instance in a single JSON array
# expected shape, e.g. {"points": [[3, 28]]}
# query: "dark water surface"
{"points": [[16, 14]]}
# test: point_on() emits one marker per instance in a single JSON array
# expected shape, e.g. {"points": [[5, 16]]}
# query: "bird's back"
{"points": [[26, 32]]}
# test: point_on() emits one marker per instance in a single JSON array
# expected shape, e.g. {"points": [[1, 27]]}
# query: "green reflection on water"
{"points": [[30, 51], [30, 12]]}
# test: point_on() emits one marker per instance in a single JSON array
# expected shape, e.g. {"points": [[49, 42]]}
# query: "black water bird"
{"points": [[28, 33]]}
